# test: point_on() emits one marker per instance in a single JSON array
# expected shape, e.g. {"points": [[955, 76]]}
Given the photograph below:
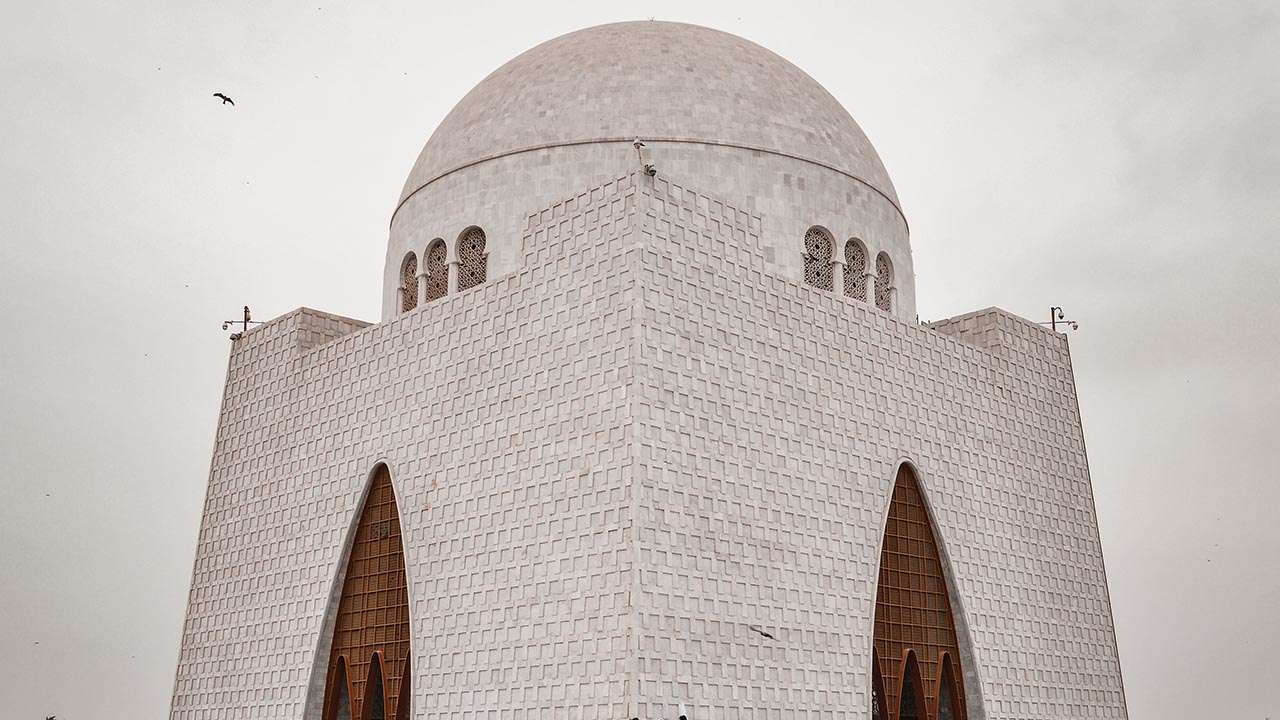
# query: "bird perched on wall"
{"points": [[225, 100]]}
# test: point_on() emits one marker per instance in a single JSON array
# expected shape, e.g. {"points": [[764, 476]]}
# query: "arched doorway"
{"points": [[911, 702], [375, 693], [370, 650], [406, 684], [913, 619], [948, 694], [339, 694]]}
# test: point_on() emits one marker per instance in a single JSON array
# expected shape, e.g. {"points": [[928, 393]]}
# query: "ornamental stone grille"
{"points": [[640, 464], [472, 262], [409, 281], [437, 271], [884, 282], [817, 259], [855, 270]]}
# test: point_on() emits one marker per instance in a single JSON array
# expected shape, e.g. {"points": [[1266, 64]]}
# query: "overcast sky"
{"points": [[1120, 161]]}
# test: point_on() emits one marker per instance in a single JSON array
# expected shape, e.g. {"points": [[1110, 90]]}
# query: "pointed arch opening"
{"points": [[406, 687], [338, 694], [879, 704], [913, 618], [370, 644], [375, 692], [950, 699], [911, 700]]}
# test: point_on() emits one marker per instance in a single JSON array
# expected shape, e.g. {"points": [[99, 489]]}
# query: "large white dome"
{"points": [[656, 81], [719, 115]]}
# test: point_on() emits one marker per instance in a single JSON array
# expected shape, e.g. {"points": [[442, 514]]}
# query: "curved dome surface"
{"points": [[655, 81]]}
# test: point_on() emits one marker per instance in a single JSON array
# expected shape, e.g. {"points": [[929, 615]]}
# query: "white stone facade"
{"points": [[640, 438]]}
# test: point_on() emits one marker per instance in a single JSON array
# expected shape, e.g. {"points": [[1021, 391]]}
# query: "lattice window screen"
{"points": [[884, 282], [409, 281], [817, 258], [855, 270], [913, 611], [373, 614], [437, 271], [472, 261]]}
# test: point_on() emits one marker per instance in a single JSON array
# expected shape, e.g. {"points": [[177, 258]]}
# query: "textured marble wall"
{"points": [[502, 415], [770, 420], [794, 194], [617, 459]]}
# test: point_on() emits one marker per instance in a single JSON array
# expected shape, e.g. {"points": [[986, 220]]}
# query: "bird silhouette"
{"points": [[225, 100]]}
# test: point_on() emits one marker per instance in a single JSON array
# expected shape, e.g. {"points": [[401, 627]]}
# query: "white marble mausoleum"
{"points": [[649, 429]]}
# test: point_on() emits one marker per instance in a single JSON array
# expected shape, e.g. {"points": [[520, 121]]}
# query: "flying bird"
{"points": [[225, 100]]}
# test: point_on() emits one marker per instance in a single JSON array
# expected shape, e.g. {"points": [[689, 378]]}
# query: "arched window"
{"points": [[375, 694], [338, 694], [472, 261], [370, 647], [879, 705], [409, 283], [911, 703], [406, 691], [855, 269], [817, 258], [437, 270], [948, 693], [884, 282], [913, 608]]}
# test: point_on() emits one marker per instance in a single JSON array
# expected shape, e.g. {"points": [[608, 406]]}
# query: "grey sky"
{"points": [[1121, 161]]}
